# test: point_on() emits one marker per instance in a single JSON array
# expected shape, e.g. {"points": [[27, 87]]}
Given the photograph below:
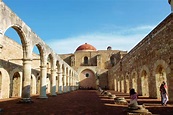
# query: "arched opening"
{"points": [[144, 83], [36, 63], [14, 47], [160, 77], [122, 85], [134, 81], [127, 84], [49, 68], [118, 84], [87, 79], [86, 60], [16, 85]]}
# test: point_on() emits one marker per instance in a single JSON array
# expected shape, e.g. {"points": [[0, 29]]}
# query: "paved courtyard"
{"points": [[81, 102]]}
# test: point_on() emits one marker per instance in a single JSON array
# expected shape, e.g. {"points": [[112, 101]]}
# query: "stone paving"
{"points": [[80, 102]]}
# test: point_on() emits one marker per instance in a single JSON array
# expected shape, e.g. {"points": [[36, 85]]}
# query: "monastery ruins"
{"points": [[24, 73]]}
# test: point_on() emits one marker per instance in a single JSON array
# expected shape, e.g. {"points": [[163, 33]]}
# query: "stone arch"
{"points": [[144, 81], [20, 32], [87, 79], [5, 84], [134, 80], [161, 70]]}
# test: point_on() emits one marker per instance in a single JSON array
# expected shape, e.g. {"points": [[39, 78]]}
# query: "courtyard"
{"points": [[80, 102]]}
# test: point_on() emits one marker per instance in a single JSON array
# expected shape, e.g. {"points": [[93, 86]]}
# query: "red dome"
{"points": [[86, 47]]}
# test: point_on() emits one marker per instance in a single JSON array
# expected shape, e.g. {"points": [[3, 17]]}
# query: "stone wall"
{"points": [[11, 63], [147, 64]]}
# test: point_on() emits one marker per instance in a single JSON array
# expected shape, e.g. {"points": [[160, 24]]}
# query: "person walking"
{"points": [[164, 94]]}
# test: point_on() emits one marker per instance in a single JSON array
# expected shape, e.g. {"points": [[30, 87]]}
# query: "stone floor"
{"points": [[81, 102]]}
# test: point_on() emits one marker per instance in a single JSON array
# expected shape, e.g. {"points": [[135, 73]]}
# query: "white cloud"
{"points": [[123, 39]]}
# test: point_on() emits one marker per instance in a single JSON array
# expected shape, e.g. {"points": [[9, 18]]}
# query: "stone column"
{"points": [[53, 79], [26, 81], [65, 81], [171, 3], [60, 80], [68, 83], [43, 82]]}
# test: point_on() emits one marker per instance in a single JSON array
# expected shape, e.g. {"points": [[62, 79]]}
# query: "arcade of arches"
{"points": [[24, 73]]}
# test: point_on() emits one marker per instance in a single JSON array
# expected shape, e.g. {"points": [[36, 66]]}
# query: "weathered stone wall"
{"points": [[150, 60]]}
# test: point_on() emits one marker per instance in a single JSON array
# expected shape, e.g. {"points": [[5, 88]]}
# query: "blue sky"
{"points": [[66, 24]]}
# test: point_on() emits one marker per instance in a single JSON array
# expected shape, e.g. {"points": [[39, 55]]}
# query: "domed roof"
{"points": [[86, 47]]}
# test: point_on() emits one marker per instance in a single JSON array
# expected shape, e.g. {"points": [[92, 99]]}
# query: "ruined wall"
{"points": [[11, 63], [148, 63]]}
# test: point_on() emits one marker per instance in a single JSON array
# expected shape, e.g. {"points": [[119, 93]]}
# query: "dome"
{"points": [[86, 47]]}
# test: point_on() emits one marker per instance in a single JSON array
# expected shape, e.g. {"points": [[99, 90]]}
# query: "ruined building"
{"points": [[24, 73]]}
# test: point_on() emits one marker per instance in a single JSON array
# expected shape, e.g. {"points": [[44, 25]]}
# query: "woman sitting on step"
{"points": [[133, 99]]}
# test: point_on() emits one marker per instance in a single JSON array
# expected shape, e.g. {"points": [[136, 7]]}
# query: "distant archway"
{"points": [[134, 80], [87, 79], [144, 83], [127, 84]]}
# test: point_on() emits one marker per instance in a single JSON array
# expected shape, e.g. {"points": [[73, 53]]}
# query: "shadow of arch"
{"points": [[33, 84]]}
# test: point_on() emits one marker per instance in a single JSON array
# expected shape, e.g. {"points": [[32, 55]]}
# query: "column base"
{"points": [[25, 100]]}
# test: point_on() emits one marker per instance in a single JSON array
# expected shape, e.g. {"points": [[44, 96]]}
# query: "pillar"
{"points": [[26, 81], [60, 88], [53, 80], [65, 81], [43, 82]]}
